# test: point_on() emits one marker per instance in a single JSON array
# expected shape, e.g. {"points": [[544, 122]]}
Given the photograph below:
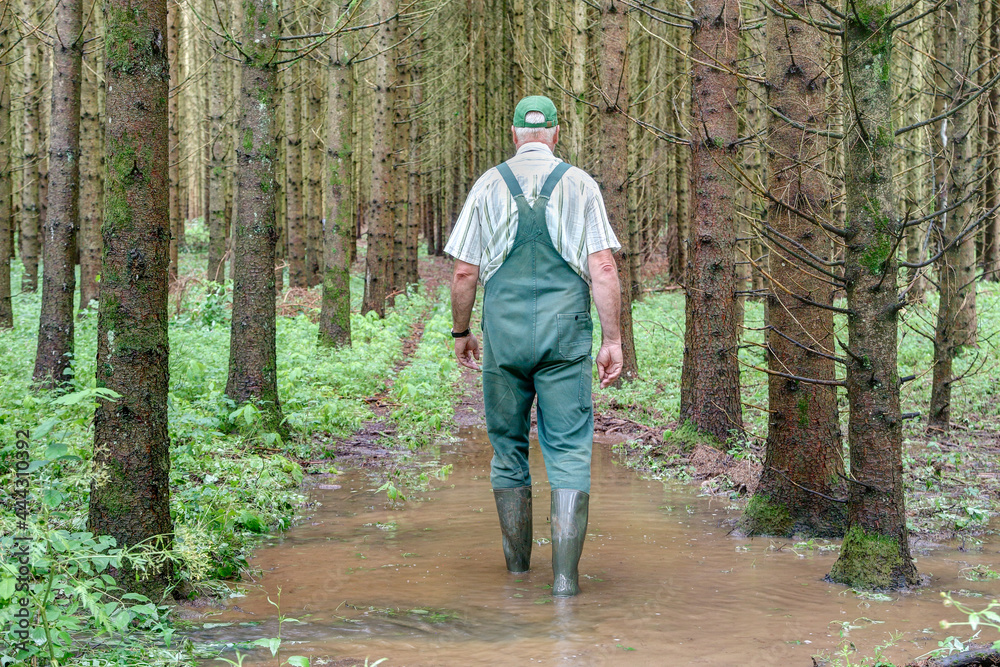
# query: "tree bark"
{"points": [[91, 170], [130, 491], [956, 318], [6, 209], [31, 62], [710, 381], [612, 165], [335, 315], [173, 110], [876, 550], [381, 216], [314, 209], [55, 330], [216, 219], [252, 348], [296, 245], [803, 456]]}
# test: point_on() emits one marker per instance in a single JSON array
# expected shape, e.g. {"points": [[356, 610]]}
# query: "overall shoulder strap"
{"points": [[553, 180], [508, 178]]}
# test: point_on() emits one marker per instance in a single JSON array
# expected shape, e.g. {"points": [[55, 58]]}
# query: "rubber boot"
{"points": [[514, 510], [569, 530]]}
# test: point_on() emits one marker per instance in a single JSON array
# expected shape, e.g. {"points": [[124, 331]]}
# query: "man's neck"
{"points": [[533, 146]]}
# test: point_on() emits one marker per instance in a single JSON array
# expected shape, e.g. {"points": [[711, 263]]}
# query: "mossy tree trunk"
{"points": [[956, 317], [130, 491], [335, 315], [413, 207], [803, 456], [6, 205], [55, 330], [876, 550], [710, 379], [381, 216], [91, 168], [612, 166], [252, 347]]}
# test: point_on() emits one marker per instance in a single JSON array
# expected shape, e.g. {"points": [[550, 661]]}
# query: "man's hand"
{"points": [[609, 363], [467, 352]]}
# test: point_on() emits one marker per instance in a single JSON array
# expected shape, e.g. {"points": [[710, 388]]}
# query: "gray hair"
{"points": [[542, 134]]}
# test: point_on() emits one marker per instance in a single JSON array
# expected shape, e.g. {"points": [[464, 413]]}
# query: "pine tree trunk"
{"points": [[876, 550], [31, 62], [956, 318], [91, 171], [55, 331], [381, 215], [252, 348], [413, 207], [130, 491], [335, 316], [216, 269], [710, 381], [173, 108], [296, 245], [991, 240], [6, 209], [400, 169], [612, 166], [803, 457], [314, 210]]}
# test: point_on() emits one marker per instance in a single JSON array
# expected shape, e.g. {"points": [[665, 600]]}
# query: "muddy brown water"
{"points": [[663, 582]]}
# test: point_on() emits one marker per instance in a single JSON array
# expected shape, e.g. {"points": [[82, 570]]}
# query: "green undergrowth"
{"points": [[231, 480], [953, 481]]}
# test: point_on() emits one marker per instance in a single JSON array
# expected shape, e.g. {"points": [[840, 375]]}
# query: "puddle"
{"points": [[662, 582]]}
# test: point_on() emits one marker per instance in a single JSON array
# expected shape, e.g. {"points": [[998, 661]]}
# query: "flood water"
{"points": [[662, 582]]}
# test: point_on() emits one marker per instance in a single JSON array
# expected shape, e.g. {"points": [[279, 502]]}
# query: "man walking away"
{"points": [[535, 231]]}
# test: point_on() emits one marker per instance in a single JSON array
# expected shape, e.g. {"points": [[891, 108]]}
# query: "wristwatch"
{"points": [[461, 334]]}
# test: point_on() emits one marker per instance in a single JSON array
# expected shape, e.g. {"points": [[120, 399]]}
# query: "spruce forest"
{"points": [[233, 429]]}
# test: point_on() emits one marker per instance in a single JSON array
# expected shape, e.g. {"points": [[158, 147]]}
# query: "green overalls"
{"points": [[537, 339]]}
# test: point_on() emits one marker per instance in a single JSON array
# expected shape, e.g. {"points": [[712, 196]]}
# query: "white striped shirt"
{"points": [[577, 221]]}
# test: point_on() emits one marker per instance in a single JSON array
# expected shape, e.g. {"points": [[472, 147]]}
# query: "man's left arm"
{"points": [[463, 297]]}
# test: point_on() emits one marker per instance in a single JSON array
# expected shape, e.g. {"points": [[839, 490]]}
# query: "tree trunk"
{"points": [[991, 240], [252, 348], [314, 210], [216, 219], [335, 316], [173, 109], [296, 246], [803, 456], [876, 550], [413, 213], [30, 157], [710, 380], [55, 330], [130, 491], [381, 217], [91, 171], [956, 319], [6, 210], [612, 165], [400, 169]]}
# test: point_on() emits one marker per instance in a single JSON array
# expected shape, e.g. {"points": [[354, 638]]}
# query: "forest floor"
{"points": [[399, 392]]}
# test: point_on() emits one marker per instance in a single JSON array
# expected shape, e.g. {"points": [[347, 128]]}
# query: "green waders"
{"points": [[537, 338]]}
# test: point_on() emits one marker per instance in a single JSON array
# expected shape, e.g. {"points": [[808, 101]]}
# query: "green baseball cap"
{"points": [[538, 103]]}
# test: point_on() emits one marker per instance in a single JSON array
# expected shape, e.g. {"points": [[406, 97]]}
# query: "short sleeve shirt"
{"points": [[578, 224]]}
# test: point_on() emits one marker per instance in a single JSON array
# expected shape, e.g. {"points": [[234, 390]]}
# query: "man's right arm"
{"points": [[607, 298]]}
